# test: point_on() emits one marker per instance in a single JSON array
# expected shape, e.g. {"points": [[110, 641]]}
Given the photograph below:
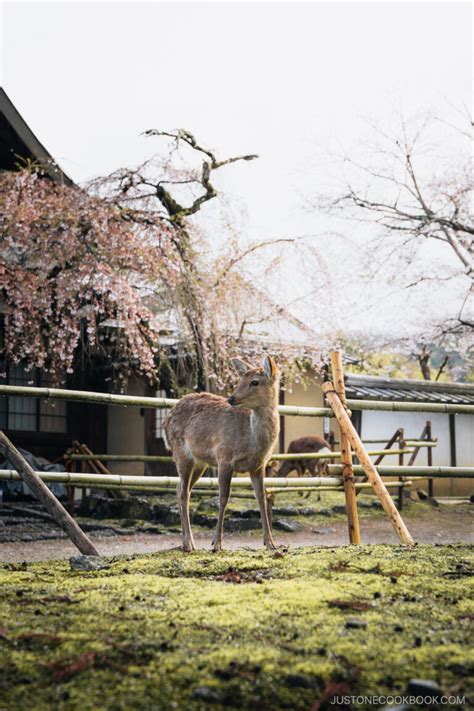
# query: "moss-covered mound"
{"points": [[246, 630]]}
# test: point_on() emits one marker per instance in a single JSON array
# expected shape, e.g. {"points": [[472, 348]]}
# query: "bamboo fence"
{"points": [[157, 403], [341, 476]]}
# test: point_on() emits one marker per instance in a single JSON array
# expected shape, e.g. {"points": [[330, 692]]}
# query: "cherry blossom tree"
{"points": [[71, 265], [114, 270]]}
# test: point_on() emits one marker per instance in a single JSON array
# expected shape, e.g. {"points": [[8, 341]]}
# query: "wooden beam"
{"points": [[49, 501], [385, 499], [346, 454]]}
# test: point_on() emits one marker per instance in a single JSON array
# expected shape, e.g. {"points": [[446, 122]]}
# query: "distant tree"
{"points": [[409, 189], [213, 299]]}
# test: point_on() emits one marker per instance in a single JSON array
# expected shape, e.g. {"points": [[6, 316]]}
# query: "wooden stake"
{"points": [[429, 458], [401, 444], [379, 487], [346, 454], [49, 501]]}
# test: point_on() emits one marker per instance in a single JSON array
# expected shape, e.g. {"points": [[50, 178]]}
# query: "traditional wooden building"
{"points": [[45, 428]]}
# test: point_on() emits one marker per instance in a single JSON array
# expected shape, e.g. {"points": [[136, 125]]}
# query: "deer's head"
{"points": [[258, 387]]}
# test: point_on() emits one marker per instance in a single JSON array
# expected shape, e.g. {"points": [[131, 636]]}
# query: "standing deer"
{"points": [[311, 443], [234, 435]]}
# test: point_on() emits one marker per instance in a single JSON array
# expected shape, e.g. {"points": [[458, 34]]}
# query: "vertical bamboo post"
{"points": [[346, 454], [401, 445], [429, 457], [49, 501], [71, 467], [368, 465]]}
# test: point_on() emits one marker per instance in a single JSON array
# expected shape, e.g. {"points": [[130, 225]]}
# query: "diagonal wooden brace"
{"points": [[346, 454], [49, 501], [379, 487]]}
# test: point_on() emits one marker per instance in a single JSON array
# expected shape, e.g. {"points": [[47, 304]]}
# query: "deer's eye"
{"points": [[254, 382]]}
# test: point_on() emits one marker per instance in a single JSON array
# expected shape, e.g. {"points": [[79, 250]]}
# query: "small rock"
{"points": [[290, 526], [285, 511], [87, 562], [355, 623], [306, 511], [323, 530], [207, 693], [201, 519], [242, 524], [247, 513], [425, 688], [376, 505], [339, 508], [326, 512]]}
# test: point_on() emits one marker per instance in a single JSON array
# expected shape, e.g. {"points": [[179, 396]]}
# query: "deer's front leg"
{"points": [[225, 477], [258, 487]]}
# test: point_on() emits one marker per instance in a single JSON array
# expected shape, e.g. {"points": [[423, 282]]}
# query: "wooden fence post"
{"points": [[346, 454], [401, 445], [429, 458], [49, 501], [369, 468]]}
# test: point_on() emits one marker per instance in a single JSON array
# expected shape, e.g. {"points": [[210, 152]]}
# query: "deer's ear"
{"points": [[269, 367], [240, 366]]}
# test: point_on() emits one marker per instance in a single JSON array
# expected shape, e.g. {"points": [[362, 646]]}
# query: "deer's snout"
{"points": [[231, 400]]}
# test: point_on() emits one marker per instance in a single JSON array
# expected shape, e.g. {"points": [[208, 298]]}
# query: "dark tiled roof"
{"points": [[18, 142], [366, 387]]}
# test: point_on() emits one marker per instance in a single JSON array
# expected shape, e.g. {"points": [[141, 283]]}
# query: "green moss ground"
{"points": [[151, 631]]}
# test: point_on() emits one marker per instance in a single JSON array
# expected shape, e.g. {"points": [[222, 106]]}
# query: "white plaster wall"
{"points": [[300, 426], [126, 432], [383, 424], [464, 440]]}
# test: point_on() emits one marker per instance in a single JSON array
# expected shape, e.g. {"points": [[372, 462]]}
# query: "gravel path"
{"points": [[444, 526]]}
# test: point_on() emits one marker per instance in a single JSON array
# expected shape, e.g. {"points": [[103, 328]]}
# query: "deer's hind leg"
{"points": [[186, 471], [225, 477], [257, 479]]}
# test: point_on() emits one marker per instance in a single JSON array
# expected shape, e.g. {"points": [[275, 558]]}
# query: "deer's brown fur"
{"points": [[234, 435], [303, 445]]}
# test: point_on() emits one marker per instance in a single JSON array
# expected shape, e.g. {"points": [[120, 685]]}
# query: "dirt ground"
{"points": [[427, 525]]}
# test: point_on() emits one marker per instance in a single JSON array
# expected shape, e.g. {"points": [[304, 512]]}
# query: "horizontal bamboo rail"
{"points": [[409, 440], [164, 458], [401, 406], [360, 486], [87, 396], [133, 400], [435, 472], [158, 403], [117, 458], [418, 443], [108, 480]]}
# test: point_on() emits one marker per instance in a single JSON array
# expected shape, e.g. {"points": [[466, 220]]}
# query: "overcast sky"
{"points": [[284, 80]]}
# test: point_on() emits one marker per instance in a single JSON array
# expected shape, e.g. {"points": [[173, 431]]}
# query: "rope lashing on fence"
{"points": [[159, 403]]}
